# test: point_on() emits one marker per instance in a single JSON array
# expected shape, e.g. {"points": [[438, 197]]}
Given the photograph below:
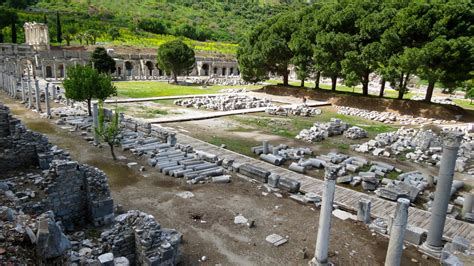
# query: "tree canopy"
{"points": [[84, 83], [175, 57], [102, 61], [350, 40]]}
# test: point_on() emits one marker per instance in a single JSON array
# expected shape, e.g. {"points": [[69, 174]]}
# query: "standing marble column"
{"points": [[46, 100], [325, 215], [37, 92], [266, 149], [397, 233], [23, 95], [434, 243], [30, 92], [13, 86]]}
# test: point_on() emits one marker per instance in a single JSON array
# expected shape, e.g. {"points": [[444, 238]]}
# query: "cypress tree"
{"points": [[59, 36], [45, 19]]}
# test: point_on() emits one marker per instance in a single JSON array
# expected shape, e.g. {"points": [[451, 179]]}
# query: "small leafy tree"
{"points": [[176, 57], [84, 83], [103, 62], [108, 133], [470, 94], [114, 33], [70, 34]]}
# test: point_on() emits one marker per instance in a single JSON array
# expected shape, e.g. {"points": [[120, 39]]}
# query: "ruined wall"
{"points": [[140, 238], [19, 147], [78, 194]]}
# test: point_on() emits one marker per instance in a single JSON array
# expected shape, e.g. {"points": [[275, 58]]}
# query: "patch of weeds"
{"points": [[393, 175], [238, 145], [364, 168], [92, 233]]}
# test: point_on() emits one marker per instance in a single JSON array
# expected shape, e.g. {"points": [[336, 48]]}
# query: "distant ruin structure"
{"points": [[37, 35]]}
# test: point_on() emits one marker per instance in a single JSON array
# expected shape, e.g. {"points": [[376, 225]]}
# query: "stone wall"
{"points": [[140, 238], [78, 194], [19, 147]]}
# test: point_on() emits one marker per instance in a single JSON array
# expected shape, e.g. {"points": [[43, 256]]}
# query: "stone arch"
{"points": [[129, 68], [204, 70], [49, 72], [149, 66]]}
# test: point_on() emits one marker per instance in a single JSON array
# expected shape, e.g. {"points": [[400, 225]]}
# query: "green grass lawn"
{"points": [[290, 127], [143, 89], [466, 104]]}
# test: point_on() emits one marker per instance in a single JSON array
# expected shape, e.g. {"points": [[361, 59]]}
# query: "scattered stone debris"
{"points": [[185, 194], [418, 145], [276, 240], [296, 110], [321, 131], [389, 117], [224, 102], [240, 219]]}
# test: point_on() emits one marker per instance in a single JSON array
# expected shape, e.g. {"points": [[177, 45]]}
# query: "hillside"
{"points": [[214, 26]]}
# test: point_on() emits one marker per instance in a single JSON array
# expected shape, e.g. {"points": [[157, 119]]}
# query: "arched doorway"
{"points": [[224, 70], [231, 71], [149, 66], [49, 72], [119, 71], [215, 70], [204, 70], [129, 68]]}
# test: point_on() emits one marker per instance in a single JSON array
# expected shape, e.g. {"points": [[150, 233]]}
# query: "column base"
{"points": [[431, 251], [315, 262]]}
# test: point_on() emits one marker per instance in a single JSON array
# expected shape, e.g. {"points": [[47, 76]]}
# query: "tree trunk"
{"points": [[1, 38], [382, 88], [68, 42], [429, 90], [175, 78], [285, 79], [365, 83], [316, 80], [401, 91], [333, 83], [302, 83], [89, 107], [112, 151]]}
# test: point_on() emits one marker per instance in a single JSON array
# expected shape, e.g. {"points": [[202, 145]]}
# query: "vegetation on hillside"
{"points": [[147, 23], [353, 39]]}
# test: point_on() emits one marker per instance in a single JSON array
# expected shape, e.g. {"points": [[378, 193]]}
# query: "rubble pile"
{"points": [[320, 131], [235, 81], [418, 145], [139, 237], [296, 110], [355, 133], [224, 102], [388, 117], [408, 185], [234, 90], [277, 155]]}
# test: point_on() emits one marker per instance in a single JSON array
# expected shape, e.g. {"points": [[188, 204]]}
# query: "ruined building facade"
{"points": [[37, 58]]}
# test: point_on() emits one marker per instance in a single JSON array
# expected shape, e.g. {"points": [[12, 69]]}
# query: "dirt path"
{"points": [[206, 220]]}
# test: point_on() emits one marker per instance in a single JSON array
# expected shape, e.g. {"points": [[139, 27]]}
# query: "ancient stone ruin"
{"points": [[47, 202]]}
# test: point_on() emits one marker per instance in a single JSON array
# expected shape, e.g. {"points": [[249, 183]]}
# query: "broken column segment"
{"points": [[254, 172], [397, 233], [434, 244], [363, 211], [324, 229]]}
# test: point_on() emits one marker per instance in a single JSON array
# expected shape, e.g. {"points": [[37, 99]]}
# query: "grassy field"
{"points": [[389, 93], [291, 126], [464, 104], [142, 89]]}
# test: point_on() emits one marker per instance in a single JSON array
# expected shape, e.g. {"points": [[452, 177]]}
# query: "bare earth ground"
{"points": [[206, 220]]}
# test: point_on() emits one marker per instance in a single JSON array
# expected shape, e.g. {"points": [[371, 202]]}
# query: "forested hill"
{"points": [[215, 20]]}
